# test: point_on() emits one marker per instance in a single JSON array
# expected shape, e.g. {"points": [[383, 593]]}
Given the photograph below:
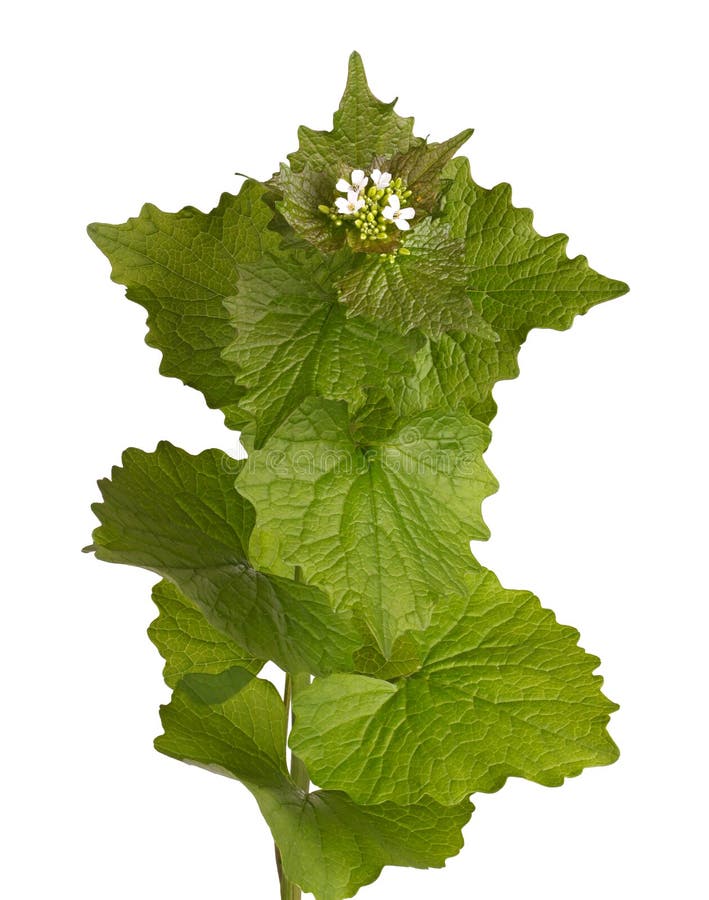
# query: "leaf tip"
{"points": [[621, 287], [355, 65]]}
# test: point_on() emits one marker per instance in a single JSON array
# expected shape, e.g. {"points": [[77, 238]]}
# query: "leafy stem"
{"points": [[362, 388]]}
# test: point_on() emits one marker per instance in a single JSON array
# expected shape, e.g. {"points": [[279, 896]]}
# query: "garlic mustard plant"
{"points": [[350, 317]]}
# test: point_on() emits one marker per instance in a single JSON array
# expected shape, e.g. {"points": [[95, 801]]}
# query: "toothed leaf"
{"points": [[293, 340], [363, 128], [180, 267], [329, 845], [503, 690], [181, 516], [427, 289], [375, 526], [188, 643]]}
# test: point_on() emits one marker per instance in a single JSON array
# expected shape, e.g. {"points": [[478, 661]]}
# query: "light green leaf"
{"points": [[459, 371], [523, 280], [188, 643], [181, 516], [334, 846], [180, 267], [375, 526], [294, 340], [519, 281], [503, 690], [248, 724], [363, 128], [329, 845], [427, 289]]}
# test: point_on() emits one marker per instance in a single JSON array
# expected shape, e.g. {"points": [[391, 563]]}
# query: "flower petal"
{"points": [[376, 176], [394, 202], [388, 213], [343, 186], [342, 206], [357, 177], [407, 213], [402, 224], [384, 179]]}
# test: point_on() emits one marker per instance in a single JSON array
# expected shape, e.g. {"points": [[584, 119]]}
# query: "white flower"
{"points": [[359, 183], [381, 179], [394, 213], [351, 205]]}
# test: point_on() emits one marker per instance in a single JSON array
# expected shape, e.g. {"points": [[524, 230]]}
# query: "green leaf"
{"points": [[248, 725], [188, 643], [180, 267], [293, 340], [303, 193], [363, 128], [519, 281], [181, 516], [503, 690], [375, 526], [427, 289], [421, 169], [523, 280], [459, 371], [329, 845], [334, 846]]}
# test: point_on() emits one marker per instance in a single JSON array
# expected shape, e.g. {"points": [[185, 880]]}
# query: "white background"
{"points": [[595, 112]]}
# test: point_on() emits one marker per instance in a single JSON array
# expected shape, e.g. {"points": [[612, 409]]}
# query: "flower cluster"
{"points": [[371, 210]]}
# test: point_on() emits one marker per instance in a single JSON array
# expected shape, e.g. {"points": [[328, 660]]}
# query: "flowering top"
{"points": [[374, 210]]}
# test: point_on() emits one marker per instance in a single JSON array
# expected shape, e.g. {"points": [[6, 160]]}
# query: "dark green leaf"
{"points": [[363, 128], [180, 267], [181, 516]]}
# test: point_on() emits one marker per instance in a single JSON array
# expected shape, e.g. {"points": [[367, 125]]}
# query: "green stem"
{"points": [[299, 773], [294, 685]]}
